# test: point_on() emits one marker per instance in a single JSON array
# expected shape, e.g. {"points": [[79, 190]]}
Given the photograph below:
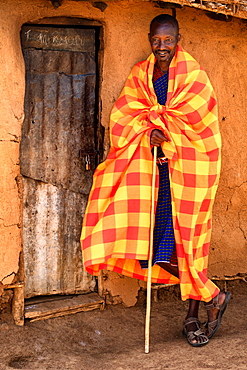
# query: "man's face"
{"points": [[163, 39]]}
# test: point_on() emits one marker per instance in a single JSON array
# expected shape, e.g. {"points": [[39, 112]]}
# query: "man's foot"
{"points": [[216, 308], [193, 332]]}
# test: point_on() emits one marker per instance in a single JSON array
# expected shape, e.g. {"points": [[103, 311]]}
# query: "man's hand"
{"points": [[157, 137]]}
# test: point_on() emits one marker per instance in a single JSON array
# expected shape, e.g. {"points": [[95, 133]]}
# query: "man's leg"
{"points": [[191, 323], [193, 308], [216, 308]]}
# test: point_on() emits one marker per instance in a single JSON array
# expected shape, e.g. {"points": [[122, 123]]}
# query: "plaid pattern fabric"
{"points": [[115, 234]]}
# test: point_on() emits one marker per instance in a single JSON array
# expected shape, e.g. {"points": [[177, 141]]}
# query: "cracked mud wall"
{"points": [[221, 49], [11, 112]]}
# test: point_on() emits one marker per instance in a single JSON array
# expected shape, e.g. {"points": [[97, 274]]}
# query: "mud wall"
{"points": [[219, 46]]}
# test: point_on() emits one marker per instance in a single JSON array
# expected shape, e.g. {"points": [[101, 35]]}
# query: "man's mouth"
{"points": [[162, 53]]}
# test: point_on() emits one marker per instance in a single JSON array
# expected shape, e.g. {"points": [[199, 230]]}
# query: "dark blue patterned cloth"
{"points": [[161, 87], [164, 242]]}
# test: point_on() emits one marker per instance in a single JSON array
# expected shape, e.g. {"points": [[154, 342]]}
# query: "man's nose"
{"points": [[162, 44]]}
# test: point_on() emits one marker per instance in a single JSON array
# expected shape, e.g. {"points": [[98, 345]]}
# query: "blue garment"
{"points": [[160, 88], [164, 242]]}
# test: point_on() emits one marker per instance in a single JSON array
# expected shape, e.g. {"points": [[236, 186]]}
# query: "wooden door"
{"points": [[58, 131]]}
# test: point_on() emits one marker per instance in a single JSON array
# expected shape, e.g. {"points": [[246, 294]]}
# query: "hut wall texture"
{"points": [[218, 46]]}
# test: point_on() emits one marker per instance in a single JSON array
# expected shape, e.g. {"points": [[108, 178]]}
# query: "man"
{"points": [[168, 102]]}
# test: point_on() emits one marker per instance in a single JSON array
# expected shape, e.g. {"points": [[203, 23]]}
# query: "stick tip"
{"points": [[146, 348]]}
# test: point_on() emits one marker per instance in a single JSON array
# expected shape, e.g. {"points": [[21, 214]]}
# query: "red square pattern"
{"points": [[206, 133], [180, 250], [198, 229], [214, 154], [109, 235], [187, 207], [136, 81], [118, 129], [171, 73], [211, 104], [120, 165], [134, 205], [205, 205], [182, 67], [185, 233], [121, 102], [211, 180], [202, 277], [92, 219], [188, 153], [114, 189], [189, 180], [196, 88], [132, 233], [110, 210], [193, 117], [133, 178], [95, 194], [142, 101], [206, 249], [87, 242]]}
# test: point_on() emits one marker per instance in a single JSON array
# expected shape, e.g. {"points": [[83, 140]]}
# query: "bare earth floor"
{"points": [[113, 339]]}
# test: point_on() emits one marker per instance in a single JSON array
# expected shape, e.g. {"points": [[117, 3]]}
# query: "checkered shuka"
{"points": [[116, 227]]}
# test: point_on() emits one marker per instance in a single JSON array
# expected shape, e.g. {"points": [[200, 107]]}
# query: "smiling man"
{"points": [[168, 102], [163, 38]]}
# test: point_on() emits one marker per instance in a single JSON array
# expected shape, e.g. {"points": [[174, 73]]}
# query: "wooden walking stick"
{"points": [[148, 307]]}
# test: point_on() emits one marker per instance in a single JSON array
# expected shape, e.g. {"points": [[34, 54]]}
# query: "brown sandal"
{"points": [[197, 335], [213, 326]]}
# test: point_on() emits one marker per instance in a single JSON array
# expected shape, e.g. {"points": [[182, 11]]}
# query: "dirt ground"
{"points": [[114, 339]]}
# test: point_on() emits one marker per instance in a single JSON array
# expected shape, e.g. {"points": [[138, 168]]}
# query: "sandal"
{"points": [[213, 326], [197, 335]]}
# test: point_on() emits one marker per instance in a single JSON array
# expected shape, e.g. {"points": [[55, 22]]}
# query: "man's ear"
{"points": [[179, 37], [149, 37]]}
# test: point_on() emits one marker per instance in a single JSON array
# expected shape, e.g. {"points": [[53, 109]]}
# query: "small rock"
{"points": [[4, 326]]}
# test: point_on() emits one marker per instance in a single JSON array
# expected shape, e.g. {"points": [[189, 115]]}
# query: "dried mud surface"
{"points": [[113, 339]]}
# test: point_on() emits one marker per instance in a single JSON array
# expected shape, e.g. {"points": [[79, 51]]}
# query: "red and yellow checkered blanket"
{"points": [[116, 226]]}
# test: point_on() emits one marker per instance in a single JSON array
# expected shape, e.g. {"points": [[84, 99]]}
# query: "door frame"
{"points": [[19, 286]]}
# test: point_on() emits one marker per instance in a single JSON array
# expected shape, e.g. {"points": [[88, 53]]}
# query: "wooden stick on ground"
{"points": [[148, 307]]}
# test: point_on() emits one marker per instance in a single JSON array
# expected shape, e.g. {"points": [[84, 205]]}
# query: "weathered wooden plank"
{"points": [[18, 306], [59, 121], [52, 219], [70, 312], [56, 309], [62, 307]]}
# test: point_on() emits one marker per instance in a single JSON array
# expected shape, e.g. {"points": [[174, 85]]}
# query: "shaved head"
{"points": [[164, 19]]}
